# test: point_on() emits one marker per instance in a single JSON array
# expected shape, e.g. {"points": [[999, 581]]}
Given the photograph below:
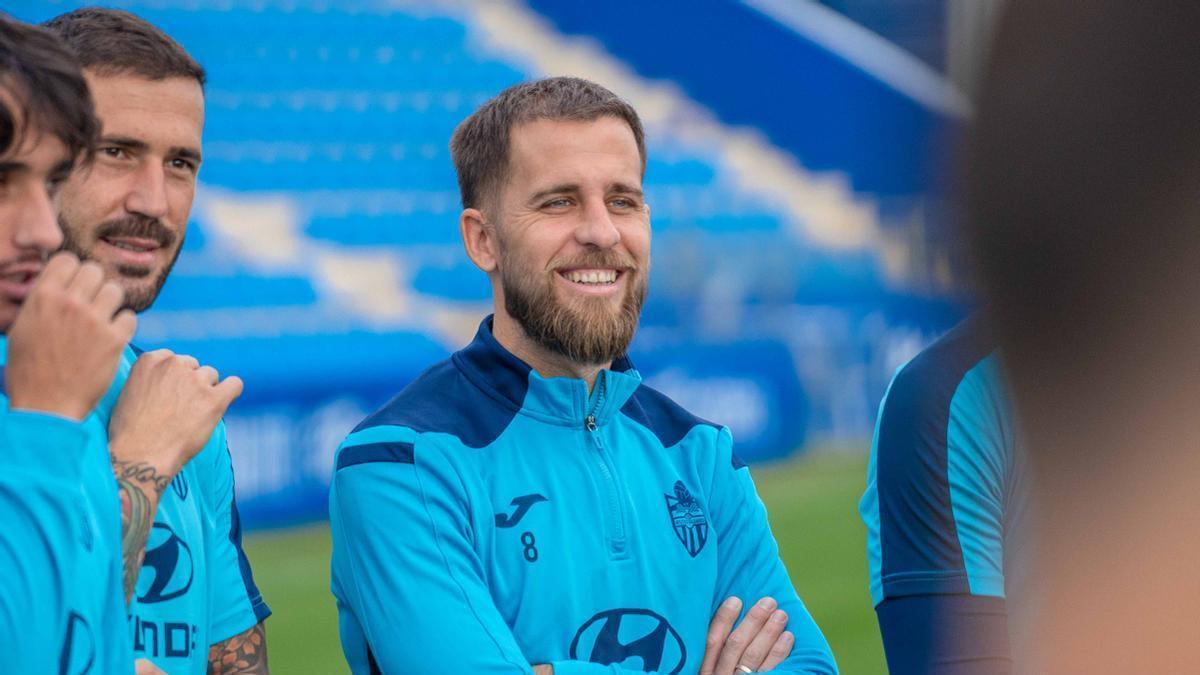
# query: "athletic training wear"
{"points": [[943, 491], [195, 588], [62, 604], [487, 519]]}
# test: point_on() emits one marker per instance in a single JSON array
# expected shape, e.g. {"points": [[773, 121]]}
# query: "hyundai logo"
{"points": [[631, 638], [167, 568]]}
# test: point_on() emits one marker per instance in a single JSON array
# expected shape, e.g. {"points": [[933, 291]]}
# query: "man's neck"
{"points": [[548, 364]]}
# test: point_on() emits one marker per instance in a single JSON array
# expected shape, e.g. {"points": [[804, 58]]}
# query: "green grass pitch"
{"points": [[813, 508]]}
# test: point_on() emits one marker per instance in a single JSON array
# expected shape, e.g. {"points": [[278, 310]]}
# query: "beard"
{"points": [[585, 330], [140, 298]]}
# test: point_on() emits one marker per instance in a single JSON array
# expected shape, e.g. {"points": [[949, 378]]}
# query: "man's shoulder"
{"points": [[666, 419], [443, 400], [925, 385]]}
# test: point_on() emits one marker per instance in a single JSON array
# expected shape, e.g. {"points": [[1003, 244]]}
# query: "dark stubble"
{"points": [[585, 330], [130, 226]]}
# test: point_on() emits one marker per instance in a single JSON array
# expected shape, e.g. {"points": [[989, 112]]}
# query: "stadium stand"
{"points": [[323, 262]]}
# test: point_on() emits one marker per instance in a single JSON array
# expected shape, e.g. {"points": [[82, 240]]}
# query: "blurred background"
{"points": [[798, 177]]}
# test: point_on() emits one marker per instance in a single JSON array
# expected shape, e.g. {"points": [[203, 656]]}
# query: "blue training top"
{"points": [[943, 495], [195, 588], [62, 603], [487, 519]]}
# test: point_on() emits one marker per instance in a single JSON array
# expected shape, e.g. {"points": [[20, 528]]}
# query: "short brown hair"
{"points": [[480, 145], [113, 41], [43, 79]]}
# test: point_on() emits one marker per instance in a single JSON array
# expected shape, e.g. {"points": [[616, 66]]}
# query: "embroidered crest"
{"points": [[687, 518]]}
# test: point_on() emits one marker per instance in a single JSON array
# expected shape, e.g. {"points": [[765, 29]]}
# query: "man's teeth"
{"points": [[593, 277], [129, 247]]}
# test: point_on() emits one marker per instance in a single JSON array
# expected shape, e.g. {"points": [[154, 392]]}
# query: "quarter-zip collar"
{"points": [[560, 400]]}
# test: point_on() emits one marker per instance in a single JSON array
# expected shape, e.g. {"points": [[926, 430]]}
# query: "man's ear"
{"points": [[479, 238]]}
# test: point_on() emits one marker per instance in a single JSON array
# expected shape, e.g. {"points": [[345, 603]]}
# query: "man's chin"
{"points": [[8, 314], [131, 273]]}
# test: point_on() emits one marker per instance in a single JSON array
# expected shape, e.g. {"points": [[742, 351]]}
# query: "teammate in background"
{"points": [[945, 486], [1082, 212], [60, 599], [194, 607], [529, 500]]}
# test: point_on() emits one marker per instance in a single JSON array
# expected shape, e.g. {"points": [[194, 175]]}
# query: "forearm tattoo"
{"points": [[244, 654], [139, 486]]}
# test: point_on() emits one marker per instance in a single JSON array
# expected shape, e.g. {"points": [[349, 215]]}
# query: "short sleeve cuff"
{"points": [[940, 583]]}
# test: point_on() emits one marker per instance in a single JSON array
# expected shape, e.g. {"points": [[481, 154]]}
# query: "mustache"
{"points": [[606, 259], [142, 227], [25, 260]]}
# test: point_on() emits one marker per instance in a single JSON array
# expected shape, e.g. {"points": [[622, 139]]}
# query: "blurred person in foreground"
{"points": [[1084, 214], [946, 493], [193, 604], [61, 607], [530, 500]]}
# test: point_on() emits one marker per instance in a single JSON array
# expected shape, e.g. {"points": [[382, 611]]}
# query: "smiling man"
{"points": [[194, 607], [529, 505]]}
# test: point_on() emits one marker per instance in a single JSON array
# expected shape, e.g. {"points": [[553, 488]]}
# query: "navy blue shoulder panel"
{"points": [[137, 351], [395, 453], [917, 528], [444, 400], [664, 417]]}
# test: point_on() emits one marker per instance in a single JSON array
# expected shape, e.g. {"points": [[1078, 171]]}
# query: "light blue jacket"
{"points": [[487, 519], [195, 586], [62, 601]]}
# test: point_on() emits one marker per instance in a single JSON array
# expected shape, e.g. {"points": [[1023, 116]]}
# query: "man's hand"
{"points": [[760, 642], [66, 342], [168, 409], [144, 667], [166, 413], [543, 669]]}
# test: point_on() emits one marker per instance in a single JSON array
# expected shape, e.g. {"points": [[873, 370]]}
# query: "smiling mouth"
{"points": [[132, 244], [592, 277], [19, 276]]}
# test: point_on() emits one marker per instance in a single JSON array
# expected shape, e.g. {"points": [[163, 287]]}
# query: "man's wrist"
{"points": [[131, 462]]}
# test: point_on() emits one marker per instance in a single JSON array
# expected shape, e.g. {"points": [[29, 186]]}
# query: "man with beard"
{"points": [[194, 607], [529, 500]]}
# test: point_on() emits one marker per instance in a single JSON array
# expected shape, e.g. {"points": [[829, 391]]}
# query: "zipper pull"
{"points": [[590, 422]]}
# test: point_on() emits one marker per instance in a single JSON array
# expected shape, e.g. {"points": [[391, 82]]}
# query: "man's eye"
{"points": [[183, 165], [54, 183], [560, 203], [114, 152]]}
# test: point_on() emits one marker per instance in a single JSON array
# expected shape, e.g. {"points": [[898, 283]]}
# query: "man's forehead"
{"points": [[36, 148], [610, 130], [575, 147], [130, 99]]}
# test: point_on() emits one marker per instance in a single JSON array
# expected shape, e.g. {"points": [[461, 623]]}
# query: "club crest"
{"points": [[687, 518]]}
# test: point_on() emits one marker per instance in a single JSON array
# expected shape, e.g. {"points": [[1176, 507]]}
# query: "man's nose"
{"points": [[37, 221], [597, 227], [148, 194]]}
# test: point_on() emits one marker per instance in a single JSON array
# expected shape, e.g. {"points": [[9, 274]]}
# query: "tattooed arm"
{"points": [[139, 486], [244, 654], [167, 410]]}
